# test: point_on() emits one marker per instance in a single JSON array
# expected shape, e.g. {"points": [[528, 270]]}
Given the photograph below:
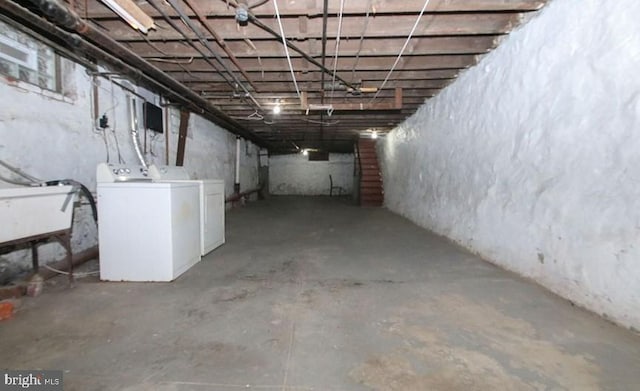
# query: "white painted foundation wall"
{"points": [[532, 158], [51, 136], [295, 175]]}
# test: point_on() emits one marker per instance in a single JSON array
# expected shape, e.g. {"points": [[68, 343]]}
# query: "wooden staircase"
{"points": [[371, 189]]}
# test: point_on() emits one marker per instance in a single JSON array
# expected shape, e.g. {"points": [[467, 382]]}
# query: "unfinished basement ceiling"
{"points": [[382, 58]]}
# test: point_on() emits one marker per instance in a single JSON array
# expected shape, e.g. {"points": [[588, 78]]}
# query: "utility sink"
{"points": [[30, 211]]}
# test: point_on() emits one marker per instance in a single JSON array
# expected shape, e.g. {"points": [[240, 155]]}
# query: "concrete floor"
{"points": [[317, 294]]}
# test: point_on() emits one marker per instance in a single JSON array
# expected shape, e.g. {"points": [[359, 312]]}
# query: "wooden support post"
{"points": [[182, 136]]}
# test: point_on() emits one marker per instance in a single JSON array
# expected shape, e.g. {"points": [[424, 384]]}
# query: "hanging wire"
{"points": [[95, 121], [144, 36], [364, 30], [415, 25], [255, 116], [170, 61], [75, 274], [335, 58], [286, 49], [326, 123]]}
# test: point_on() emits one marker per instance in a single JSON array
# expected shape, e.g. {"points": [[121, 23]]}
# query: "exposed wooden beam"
{"points": [[380, 27], [370, 47], [452, 35], [279, 76], [415, 63], [380, 7], [278, 86], [410, 95]]}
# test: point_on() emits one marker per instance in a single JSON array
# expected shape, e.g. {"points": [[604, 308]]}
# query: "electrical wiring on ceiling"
{"points": [[364, 31], [255, 49], [255, 116], [200, 16], [413, 30], [227, 75], [256, 22], [286, 50], [170, 61], [151, 44], [337, 50], [205, 42], [173, 25], [326, 123], [325, 18]]}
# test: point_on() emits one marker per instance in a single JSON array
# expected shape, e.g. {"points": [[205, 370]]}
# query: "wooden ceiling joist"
{"points": [[450, 37]]}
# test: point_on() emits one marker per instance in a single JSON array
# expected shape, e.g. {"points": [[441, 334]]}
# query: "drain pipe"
{"points": [[133, 117], [236, 186]]}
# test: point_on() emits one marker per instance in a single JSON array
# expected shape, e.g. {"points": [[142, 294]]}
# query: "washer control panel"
{"points": [[167, 173], [110, 172]]}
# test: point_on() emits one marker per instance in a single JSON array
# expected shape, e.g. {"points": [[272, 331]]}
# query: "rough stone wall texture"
{"points": [[296, 175], [531, 158], [211, 154], [51, 136]]}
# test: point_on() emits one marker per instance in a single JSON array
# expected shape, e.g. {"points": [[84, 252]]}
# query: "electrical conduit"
{"points": [[131, 106]]}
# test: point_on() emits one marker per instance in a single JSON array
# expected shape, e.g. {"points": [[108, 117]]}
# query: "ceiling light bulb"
{"points": [[374, 134], [276, 109]]}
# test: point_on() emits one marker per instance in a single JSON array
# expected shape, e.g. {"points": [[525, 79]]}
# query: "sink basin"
{"points": [[30, 211]]}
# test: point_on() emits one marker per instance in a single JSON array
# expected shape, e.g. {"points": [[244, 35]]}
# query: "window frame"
{"points": [[55, 85]]}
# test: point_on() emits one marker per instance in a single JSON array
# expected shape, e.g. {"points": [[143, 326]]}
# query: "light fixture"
{"points": [[374, 134], [132, 14], [277, 109], [242, 13], [305, 152]]}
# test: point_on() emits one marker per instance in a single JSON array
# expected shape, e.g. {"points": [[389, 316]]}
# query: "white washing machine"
{"points": [[211, 203], [147, 231]]}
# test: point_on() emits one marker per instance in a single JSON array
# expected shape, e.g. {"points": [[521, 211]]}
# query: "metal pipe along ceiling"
{"points": [[205, 42], [173, 24], [220, 40]]}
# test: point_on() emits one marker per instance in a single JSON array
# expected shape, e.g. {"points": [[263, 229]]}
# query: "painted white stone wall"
{"points": [[295, 175], [211, 152], [51, 136], [531, 158]]}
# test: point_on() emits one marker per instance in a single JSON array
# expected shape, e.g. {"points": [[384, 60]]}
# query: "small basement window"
{"points": [[26, 59]]}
